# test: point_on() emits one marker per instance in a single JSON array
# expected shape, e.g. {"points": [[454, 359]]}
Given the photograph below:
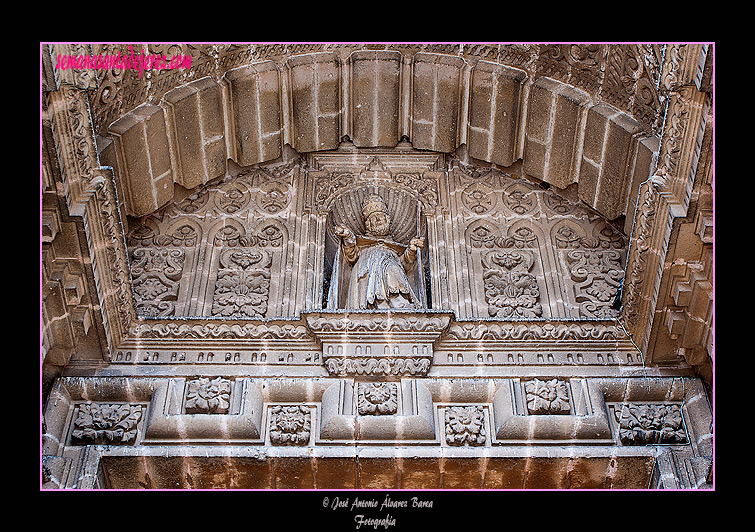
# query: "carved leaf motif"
{"points": [[110, 424], [647, 424], [510, 290], [243, 293], [547, 397], [465, 425], [598, 275], [290, 425]]}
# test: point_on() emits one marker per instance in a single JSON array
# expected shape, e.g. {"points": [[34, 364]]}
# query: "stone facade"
{"points": [[531, 227]]}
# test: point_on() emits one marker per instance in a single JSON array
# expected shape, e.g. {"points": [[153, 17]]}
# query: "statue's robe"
{"points": [[378, 276]]}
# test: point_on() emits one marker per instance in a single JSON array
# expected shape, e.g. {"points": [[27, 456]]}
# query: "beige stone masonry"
{"points": [[143, 155], [436, 94], [555, 127], [198, 329], [194, 115], [609, 142], [375, 93], [253, 113], [496, 97], [314, 83]]}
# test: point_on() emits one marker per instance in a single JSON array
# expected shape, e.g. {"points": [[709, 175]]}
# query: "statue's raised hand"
{"points": [[344, 232]]}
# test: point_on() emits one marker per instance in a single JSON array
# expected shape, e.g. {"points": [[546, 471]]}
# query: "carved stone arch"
{"points": [[270, 233], [482, 234], [229, 232], [519, 197], [184, 232], [233, 197], [143, 233], [606, 236], [566, 233], [523, 233]]}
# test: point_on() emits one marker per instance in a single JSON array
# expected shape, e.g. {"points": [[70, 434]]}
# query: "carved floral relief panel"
{"points": [[547, 397], [106, 423], [290, 424], [537, 254], [213, 254], [497, 247], [208, 396], [465, 425], [650, 424], [377, 398]]}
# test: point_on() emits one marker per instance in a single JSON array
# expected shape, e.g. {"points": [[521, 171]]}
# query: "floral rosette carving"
{"points": [[290, 425], [648, 424], [208, 396], [547, 397], [106, 424], [465, 425], [377, 398]]}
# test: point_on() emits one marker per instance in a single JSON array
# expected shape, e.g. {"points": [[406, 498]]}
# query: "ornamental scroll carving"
{"points": [[510, 290], [156, 276], [593, 263], [243, 283], [213, 253]]}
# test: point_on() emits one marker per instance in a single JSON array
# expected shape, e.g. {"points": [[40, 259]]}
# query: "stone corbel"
{"points": [[341, 420], [167, 424], [377, 343]]}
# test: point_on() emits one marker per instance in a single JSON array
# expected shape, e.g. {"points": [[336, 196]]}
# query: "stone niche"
{"points": [[406, 223]]}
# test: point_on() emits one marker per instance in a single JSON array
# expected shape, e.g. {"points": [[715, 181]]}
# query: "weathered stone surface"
{"points": [[194, 114], [495, 112], [606, 157], [253, 113], [210, 317], [375, 87], [315, 103], [553, 131], [643, 164], [141, 142], [436, 93]]}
